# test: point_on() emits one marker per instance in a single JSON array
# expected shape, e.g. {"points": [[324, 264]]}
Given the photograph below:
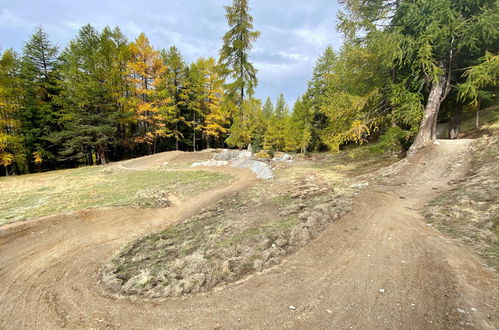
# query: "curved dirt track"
{"points": [[49, 269]]}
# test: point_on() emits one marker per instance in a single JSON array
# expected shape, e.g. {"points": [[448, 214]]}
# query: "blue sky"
{"points": [[293, 32]]}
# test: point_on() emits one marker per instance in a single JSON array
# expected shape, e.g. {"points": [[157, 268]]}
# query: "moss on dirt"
{"points": [[35, 195]]}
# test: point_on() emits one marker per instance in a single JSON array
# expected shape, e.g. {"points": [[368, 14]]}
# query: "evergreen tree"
{"points": [[39, 115], [89, 110], [234, 57]]}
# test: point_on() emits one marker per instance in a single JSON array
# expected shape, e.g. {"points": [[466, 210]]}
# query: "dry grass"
{"points": [[243, 233], [35, 195]]}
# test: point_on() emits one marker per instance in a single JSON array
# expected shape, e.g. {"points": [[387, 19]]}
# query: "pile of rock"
{"points": [[153, 198], [211, 162], [239, 159]]}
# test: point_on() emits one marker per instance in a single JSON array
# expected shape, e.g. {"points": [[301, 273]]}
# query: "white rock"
{"points": [[473, 309], [329, 311], [382, 290], [461, 310], [211, 163], [292, 307], [359, 185], [261, 169]]}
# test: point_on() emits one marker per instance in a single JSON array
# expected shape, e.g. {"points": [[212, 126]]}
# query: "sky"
{"points": [[293, 32]]}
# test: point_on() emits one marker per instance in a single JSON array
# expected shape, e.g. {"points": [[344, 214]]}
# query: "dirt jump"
{"points": [[379, 267]]}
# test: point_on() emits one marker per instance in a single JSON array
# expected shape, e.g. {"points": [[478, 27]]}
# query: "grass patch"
{"points": [[35, 195], [243, 233]]}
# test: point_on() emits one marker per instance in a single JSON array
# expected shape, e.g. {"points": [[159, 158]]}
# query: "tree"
{"points": [[39, 114], [146, 70], [176, 86], [298, 132], [234, 53], [234, 58], [216, 119], [432, 40], [275, 134], [315, 96], [88, 100], [11, 148]]}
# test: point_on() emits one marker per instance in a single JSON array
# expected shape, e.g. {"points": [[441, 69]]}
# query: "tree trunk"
{"points": [[194, 130], [102, 155], [426, 134], [455, 125], [6, 170]]}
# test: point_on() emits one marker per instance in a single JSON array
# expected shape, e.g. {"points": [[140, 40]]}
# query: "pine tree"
{"points": [[39, 115], [234, 58], [89, 107]]}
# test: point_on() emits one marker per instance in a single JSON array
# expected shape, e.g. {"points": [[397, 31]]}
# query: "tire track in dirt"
{"points": [[334, 281]]}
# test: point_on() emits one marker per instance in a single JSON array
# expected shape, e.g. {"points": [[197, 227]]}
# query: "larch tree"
{"points": [[11, 146], [216, 121], [176, 86], [433, 38], [146, 72]]}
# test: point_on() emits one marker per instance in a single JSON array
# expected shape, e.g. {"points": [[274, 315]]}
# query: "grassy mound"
{"points": [[245, 232]]}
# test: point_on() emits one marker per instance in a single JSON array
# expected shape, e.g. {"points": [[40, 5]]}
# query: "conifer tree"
{"points": [[176, 86], [146, 70], [11, 147], [238, 70], [216, 120], [39, 115], [89, 109]]}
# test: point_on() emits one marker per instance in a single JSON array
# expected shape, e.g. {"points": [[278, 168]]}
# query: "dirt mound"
{"points": [[244, 233], [470, 210]]}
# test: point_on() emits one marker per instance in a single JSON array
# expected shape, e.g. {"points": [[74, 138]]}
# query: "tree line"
{"points": [[403, 66]]}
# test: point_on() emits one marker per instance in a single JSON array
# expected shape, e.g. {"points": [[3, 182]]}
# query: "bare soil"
{"points": [[378, 267]]}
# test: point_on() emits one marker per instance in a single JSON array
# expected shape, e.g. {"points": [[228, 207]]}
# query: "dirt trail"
{"points": [[49, 271]]}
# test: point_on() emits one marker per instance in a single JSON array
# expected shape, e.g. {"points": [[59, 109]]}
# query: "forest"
{"points": [[404, 66]]}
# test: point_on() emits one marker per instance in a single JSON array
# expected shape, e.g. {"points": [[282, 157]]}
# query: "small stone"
{"points": [[382, 290], [473, 309], [292, 307], [461, 310], [429, 225], [329, 311]]}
